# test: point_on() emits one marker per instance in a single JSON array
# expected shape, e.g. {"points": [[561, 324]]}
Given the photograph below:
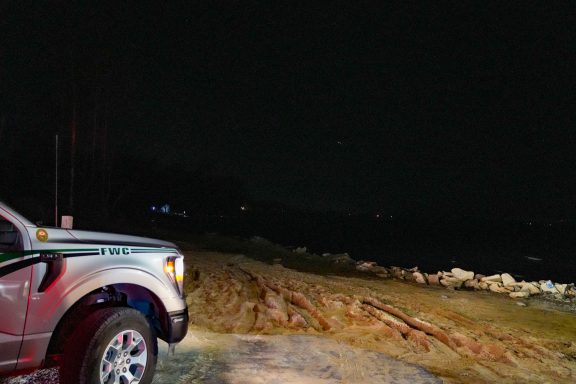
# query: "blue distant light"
{"points": [[166, 209]]}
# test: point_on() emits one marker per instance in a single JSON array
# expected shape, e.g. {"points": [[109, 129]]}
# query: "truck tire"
{"points": [[112, 345]]}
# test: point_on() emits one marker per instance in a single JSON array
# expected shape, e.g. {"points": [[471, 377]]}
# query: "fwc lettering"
{"points": [[114, 251]]}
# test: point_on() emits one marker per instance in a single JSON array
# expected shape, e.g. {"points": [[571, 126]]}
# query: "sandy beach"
{"points": [[459, 336], [259, 322]]}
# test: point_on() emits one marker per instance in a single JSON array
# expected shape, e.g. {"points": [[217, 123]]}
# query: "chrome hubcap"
{"points": [[124, 360]]}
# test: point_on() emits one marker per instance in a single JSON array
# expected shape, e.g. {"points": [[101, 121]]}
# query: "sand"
{"points": [[255, 322], [460, 336]]}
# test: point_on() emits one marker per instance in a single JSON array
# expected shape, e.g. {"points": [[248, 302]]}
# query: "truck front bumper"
{"points": [[177, 326]]}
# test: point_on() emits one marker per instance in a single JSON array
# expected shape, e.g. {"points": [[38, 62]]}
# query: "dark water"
{"points": [[530, 251]]}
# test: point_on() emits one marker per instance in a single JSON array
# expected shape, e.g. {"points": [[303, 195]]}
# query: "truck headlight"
{"points": [[174, 268]]}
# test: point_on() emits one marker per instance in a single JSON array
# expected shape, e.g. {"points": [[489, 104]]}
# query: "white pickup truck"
{"points": [[92, 303]]}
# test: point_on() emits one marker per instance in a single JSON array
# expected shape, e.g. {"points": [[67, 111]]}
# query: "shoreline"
{"points": [[259, 248]]}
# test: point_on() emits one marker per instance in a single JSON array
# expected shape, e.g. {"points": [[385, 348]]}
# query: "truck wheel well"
{"points": [[117, 295]]}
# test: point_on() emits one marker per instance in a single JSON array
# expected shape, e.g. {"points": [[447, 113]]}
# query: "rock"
{"points": [[561, 288], [300, 250], [433, 279], [397, 272], [520, 304], [339, 258], [419, 277], [365, 262], [365, 266], [406, 275], [548, 287], [498, 288], [472, 284], [479, 276], [462, 274], [530, 288], [379, 270], [507, 279], [447, 274], [451, 282], [483, 285], [343, 259], [559, 297], [493, 278], [519, 295]]}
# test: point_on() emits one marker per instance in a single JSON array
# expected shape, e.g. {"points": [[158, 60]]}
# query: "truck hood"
{"points": [[117, 239]]}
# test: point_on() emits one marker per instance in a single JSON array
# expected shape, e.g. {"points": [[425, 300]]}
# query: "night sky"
{"points": [[418, 108]]}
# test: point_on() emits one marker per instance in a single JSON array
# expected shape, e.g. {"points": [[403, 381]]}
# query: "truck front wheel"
{"points": [[112, 345]]}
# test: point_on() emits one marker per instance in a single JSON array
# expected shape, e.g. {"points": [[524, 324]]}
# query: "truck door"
{"points": [[15, 274]]}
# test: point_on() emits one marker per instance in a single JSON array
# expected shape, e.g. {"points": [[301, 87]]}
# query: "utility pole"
{"points": [[56, 186], [73, 129]]}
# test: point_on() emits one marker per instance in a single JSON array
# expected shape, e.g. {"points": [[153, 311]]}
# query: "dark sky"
{"points": [[441, 108]]}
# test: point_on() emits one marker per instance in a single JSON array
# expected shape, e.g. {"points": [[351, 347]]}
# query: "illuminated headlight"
{"points": [[174, 268]]}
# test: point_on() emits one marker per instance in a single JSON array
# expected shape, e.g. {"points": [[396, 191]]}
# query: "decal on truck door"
{"points": [[66, 253]]}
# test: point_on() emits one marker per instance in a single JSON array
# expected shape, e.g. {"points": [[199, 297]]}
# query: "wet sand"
{"points": [[206, 357], [213, 358]]}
